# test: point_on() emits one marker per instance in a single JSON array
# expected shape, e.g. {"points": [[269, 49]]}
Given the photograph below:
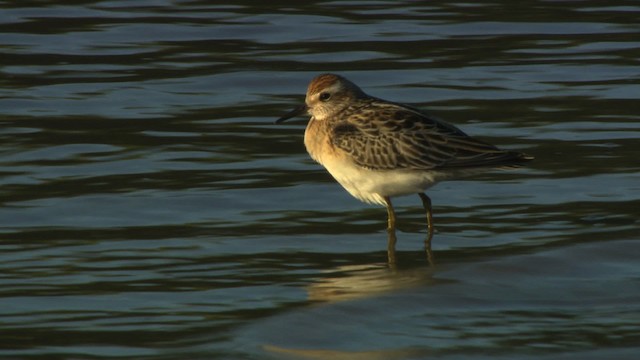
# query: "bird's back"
{"points": [[381, 135]]}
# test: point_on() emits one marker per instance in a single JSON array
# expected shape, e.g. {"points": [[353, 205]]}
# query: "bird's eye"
{"points": [[324, 96]]}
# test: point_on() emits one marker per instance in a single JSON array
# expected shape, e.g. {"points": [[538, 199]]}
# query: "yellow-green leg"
{"points": [[426, 202], [391, 214], [391, 231]]}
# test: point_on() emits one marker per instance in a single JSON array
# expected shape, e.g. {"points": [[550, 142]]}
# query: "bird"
{"points": [[378, 149]]}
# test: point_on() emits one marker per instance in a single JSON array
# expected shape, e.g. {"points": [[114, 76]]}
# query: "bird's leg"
{"points": [[391, 223], [426, 202], [391, 231]]}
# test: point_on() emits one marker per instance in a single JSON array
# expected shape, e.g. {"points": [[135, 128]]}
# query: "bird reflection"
{"points": [[322, 354], [363, 281]]}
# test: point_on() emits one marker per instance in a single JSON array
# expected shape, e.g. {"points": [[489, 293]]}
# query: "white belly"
{"points": [[371, 185]]}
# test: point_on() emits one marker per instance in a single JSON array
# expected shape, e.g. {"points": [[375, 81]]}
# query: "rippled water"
{"points": [[150, 209]]}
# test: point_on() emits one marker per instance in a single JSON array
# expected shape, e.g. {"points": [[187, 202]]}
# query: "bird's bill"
{"points": [[302, 109]]}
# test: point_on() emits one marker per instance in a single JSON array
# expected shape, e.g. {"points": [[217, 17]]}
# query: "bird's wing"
{"points": [[384, 136]]}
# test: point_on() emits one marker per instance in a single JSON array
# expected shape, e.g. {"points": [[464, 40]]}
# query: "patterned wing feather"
{"points": [[386, 136]]}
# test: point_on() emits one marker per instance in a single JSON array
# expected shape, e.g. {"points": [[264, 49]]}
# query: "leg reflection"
{"points": [[429, 252], [391, 247]]}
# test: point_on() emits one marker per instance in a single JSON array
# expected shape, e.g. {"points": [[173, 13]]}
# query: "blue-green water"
{"points": [[150, 209]]}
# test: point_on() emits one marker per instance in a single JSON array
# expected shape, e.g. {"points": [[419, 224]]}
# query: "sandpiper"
{"points": [[378, 149]]}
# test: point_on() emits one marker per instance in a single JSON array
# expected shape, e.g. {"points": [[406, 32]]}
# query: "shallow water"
{"points": [[150, 209]]}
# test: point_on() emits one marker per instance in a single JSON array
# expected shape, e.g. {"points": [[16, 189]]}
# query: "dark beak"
{"points": [[302, 109]]}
